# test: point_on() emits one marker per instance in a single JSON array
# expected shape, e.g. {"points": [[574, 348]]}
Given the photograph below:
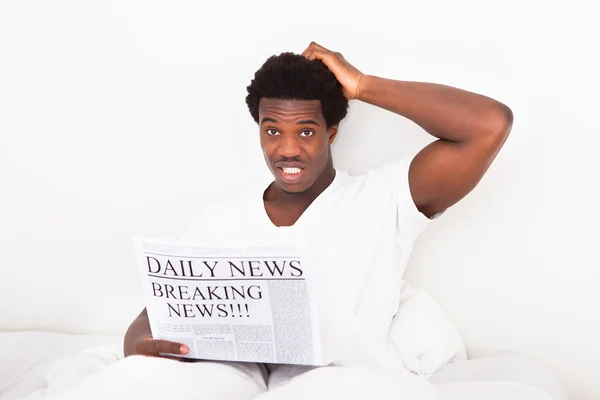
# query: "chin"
{"points": [[292, 189]]}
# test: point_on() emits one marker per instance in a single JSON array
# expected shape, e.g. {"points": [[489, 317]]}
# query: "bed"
{"points": [[28, 358]]}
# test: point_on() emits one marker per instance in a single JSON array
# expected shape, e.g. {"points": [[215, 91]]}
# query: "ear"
{"points": [[332, 133]]}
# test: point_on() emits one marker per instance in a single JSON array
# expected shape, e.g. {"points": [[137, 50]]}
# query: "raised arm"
{"points": [[471, 129]]}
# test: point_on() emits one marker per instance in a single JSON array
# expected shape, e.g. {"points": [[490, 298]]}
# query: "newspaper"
{"points": [[233, 304]]}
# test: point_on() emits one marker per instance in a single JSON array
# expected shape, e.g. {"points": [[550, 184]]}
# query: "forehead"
{"points": [[289, 109]]}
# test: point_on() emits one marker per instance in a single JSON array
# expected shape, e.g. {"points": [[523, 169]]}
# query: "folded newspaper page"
{"points": [[232, 304]]}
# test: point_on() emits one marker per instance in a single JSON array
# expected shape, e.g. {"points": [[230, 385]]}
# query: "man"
{"points": [[359, 230]]}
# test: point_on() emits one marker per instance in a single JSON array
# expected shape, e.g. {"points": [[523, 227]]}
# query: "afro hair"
{"points": [[290, 76]]}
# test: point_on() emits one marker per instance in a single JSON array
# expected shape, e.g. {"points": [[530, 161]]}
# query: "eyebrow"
{"points": [[303, 122], [308, 122]]}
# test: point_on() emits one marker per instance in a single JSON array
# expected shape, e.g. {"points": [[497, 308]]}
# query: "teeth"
{"points": [[291, 170]]}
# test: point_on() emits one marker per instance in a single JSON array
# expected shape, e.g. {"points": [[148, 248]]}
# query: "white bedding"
{"points": [[26, 357], [40, 365]]}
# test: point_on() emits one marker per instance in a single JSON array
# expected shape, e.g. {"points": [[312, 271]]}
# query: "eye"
{"points": [[306, 133], [272, 132]]}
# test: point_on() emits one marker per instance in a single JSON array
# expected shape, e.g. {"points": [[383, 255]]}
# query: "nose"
{"points": [[289, 146]]}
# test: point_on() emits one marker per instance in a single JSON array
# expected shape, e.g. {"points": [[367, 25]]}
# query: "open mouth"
{"points": [[290, 174]]}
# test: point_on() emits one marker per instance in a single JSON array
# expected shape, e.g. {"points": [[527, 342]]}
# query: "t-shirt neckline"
{"points": [[301, 220]]}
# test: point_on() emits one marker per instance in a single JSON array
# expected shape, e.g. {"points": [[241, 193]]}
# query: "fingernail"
{"points": [[183, 349]]}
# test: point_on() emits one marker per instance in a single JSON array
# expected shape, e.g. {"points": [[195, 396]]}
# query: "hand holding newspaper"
{"points": [[231, 304]]}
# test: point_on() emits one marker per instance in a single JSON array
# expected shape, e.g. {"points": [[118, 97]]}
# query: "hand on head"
{"points": [[348, 75]]}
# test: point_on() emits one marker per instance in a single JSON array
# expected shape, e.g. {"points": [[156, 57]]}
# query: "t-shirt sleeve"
{"points": [[393, 180]]}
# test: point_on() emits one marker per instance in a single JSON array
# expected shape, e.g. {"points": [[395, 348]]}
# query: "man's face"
{"points": [[295, 141]]}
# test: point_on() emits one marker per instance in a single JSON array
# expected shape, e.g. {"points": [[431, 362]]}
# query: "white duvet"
{"points": [[422, 335], [99, 373]]}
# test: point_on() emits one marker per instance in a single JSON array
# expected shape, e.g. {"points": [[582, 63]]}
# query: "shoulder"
{"points": [[387, 189], [384, 178]]}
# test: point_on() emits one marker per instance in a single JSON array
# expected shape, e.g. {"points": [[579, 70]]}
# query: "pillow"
{"points": [[424, 336]]}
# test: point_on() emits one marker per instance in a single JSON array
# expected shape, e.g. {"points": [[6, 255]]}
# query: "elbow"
{"points": [[496, 128], [501, 121]]}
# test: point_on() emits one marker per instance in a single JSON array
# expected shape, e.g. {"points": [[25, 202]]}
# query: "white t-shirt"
{"points": [[358, 233]]}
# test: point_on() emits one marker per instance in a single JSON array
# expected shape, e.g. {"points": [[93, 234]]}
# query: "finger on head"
{"points": [[316, 54], [317, 46]]}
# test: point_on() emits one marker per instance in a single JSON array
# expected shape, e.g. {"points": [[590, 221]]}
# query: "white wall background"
{"points": [[125, 117]]}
